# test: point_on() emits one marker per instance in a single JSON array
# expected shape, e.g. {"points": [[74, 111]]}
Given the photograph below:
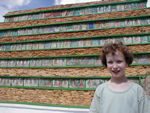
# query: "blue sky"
{"points": [[16, 5]]}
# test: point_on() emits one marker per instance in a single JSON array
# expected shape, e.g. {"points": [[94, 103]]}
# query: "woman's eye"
{"points": [[110, 62], [119, 61]]}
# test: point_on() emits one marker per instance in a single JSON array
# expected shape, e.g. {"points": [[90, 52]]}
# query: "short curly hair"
{"points": [[112, 48]]}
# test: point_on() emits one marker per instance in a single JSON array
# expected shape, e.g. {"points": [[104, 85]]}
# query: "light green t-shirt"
{"points": [[132, 100]]}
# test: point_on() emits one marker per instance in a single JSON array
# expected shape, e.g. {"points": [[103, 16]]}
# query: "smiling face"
{"points": [[116, 64]]}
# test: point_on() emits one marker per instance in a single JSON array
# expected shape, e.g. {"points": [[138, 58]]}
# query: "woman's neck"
{"points": [[119, 84], [118, 80]]}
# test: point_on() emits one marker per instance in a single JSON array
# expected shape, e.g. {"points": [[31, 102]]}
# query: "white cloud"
{"points": [[9, 5], [57, 2], [63, 2], [2, 12], [148, 3]]}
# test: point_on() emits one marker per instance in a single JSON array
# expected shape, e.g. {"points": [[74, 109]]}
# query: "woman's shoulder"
{"points": [[141, 94], [138, 89], [101, 87], [137, 86]]}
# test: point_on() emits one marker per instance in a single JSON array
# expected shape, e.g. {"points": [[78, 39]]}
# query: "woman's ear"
{"points": [[127, 65]]}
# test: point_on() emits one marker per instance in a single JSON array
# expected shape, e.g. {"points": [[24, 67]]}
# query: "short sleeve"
{"points": [[95, 105], [143, 102]]}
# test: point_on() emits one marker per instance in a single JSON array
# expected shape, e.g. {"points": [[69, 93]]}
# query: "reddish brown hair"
{"points": [[112, 48]]}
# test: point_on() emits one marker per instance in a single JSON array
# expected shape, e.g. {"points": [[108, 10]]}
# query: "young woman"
{"points": [[118, 95]]}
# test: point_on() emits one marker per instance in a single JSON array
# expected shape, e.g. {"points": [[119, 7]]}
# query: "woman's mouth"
{"points": [[116, 72]]}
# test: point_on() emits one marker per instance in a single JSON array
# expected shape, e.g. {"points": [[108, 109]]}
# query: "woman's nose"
{"points": [[115, 65]]}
